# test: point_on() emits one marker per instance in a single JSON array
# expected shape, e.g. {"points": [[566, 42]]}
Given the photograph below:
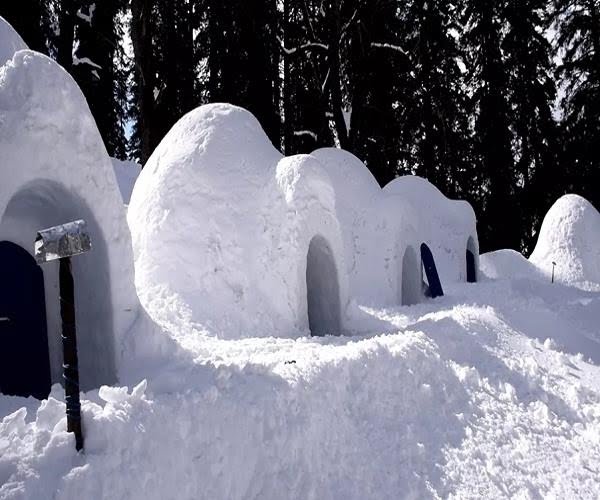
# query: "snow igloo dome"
{"points": [[570, 237], [10, 41], [233, 237], [448, 227], [55, 169]]}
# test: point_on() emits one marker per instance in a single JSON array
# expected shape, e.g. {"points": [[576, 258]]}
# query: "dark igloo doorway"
{"points": [[411, 278], [42, 204], [322, 289], [434, 286], [24, 352], [471, 264]]}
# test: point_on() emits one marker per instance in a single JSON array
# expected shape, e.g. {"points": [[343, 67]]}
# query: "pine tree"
{"points": [[30, 18], [579, 41]]}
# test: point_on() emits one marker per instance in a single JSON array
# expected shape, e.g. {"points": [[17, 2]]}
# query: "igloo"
{"points": [[447, 227], [55, 169], [569, 237], [234, 238]]}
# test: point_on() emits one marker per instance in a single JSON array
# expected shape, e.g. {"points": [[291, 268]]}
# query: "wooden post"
{"points": [[69, 343]]}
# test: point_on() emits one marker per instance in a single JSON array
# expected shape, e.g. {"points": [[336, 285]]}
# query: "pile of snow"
{"points": [[126, 172], [508, 264], [570, 237], [55, 169], [227, 233], [10, 41], [480, 394]]}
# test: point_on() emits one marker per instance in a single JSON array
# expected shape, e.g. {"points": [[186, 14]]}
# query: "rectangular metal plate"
{"points": [[61, 241]]}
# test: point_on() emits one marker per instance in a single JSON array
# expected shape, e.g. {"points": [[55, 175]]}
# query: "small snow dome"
{"points": [[55, 169], [231, 236], [447, 227], [10, 41], [570, 237]]}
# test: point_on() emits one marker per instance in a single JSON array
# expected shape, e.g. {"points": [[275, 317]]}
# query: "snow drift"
{"points": [[10, 41], [126, 173], [570, 236], [54, 169], [231, 236]]}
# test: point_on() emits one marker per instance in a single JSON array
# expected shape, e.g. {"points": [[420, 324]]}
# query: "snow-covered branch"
{"points": [[390, 46], [304, 46]]}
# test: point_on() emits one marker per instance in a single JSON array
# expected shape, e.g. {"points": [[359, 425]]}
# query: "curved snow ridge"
{"points": [[570, 237], [10, 41]]}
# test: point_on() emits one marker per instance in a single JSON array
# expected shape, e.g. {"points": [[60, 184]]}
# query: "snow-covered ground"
{"points": [[479, 394]]}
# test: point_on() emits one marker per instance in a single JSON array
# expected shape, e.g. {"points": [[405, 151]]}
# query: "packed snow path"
{"points": [[479, 394]]}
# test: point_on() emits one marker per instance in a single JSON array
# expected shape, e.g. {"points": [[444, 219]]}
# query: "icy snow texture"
{"points": [[221, 226], [570, 236], [126, 173], [10, 41], [55, 169]]}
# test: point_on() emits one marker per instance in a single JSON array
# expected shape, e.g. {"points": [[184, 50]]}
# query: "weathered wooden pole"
{"points": [[61, 243]]}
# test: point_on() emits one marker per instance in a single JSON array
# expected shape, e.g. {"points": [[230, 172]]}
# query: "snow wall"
{"points": [[570, 237], [10, 41], [227, 233], [54, 169]]}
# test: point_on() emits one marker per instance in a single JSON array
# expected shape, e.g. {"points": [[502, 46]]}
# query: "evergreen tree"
{"points": [[30, 18], [579, 42]]}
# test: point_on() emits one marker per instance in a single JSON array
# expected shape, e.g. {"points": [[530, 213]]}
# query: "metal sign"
{"points": [[62, 241]]}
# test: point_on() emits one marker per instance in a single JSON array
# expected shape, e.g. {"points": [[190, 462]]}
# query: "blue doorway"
{"points": [[24, 353]]}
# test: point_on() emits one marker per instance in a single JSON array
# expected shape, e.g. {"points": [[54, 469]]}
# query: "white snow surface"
{"points": [[126, 172], [570, 237], [221, 225], [10, 41], [55, 169], [478, 394]]}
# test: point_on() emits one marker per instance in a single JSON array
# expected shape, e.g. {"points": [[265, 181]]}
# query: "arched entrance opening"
{"points": [[44, 204], [411, 278], [322, 289], [471, 261], [24, 352], [433, 287]]}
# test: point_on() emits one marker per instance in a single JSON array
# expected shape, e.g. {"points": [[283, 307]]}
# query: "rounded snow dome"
{"points": [[10, 41], [55, 169], [570, 237], [222, 227], [447, 226]]}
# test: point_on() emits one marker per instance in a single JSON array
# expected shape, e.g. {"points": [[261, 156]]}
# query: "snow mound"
{"points": [[10, 41], [126, 173], [222, 227], [447, 226], [55, 169], [507, 264], [570, 236]]}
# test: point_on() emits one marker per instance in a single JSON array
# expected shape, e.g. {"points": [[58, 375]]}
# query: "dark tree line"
{"points": [[494, 101]]}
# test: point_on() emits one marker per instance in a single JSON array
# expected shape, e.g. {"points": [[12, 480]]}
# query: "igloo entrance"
{"points": [[322, 289], [24, 354], [470, 258], [44, 204], [434, 286], [411, 278]]}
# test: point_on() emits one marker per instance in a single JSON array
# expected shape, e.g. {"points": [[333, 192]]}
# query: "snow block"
{"points": [[55, 169], [222, 225], [570, 237]]}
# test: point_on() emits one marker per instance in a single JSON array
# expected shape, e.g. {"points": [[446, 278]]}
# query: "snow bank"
{"points": [[10, 41], [126, 173], [222, 227], [507, 264], [570, 236], [54, 169], [448, 227]]}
